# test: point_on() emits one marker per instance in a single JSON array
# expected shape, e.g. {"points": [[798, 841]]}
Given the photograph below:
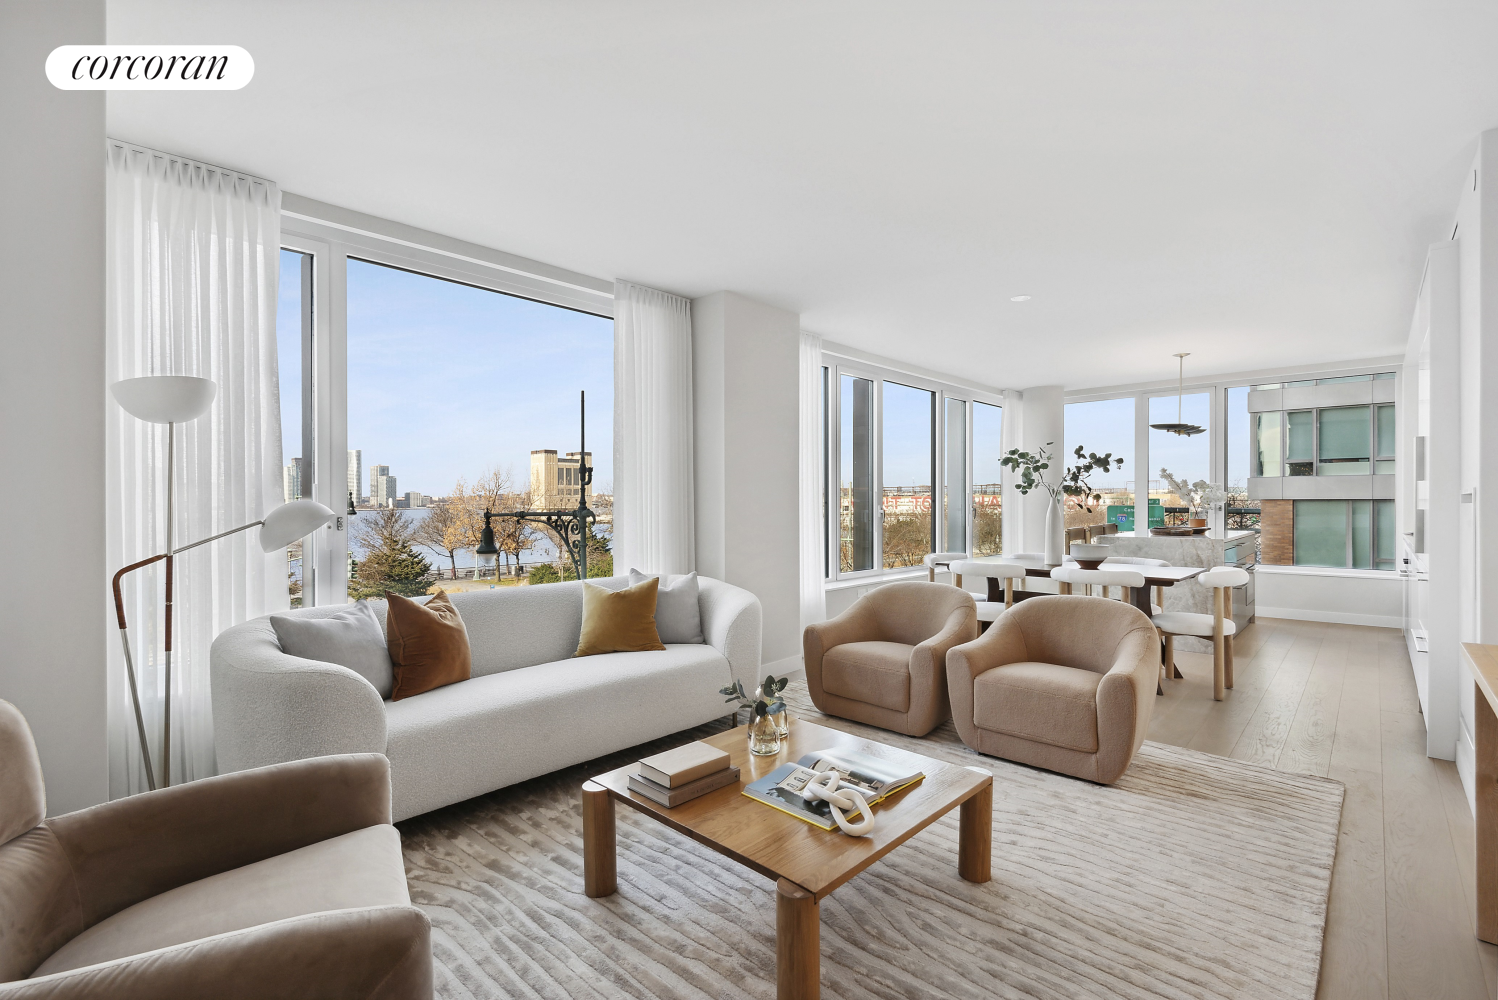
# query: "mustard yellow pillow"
{"points": [[619, 621]]}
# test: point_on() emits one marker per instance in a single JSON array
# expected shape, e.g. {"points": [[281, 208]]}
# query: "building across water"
{"points": [[556, 481]]}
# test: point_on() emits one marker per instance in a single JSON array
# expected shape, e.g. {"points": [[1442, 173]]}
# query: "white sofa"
{"points": [[531, 707]]}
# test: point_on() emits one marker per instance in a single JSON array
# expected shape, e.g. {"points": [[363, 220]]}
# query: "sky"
{"points": [[1108, 425], [446, 380]]}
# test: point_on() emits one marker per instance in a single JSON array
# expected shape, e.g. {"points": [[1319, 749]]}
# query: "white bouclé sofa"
{"points": [[530, 707]]}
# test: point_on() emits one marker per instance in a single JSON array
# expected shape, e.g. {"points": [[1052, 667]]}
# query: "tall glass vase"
{"points": [[1055, 533]]}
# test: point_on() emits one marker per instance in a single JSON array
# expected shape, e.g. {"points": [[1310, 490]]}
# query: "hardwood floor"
{"points": [[1339, 700]]}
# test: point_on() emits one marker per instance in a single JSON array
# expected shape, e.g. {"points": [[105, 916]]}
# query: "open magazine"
{"points": [[874, 777]]}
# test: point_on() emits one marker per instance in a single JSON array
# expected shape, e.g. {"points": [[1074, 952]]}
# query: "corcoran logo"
{"points": [[149, 67]]}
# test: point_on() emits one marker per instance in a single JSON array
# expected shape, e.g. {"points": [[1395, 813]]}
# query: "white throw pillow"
{"points": [[678, 618], [351, 638]]}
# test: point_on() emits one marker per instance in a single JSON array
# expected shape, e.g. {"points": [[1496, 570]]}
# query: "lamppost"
{"points": [[569, 526]]}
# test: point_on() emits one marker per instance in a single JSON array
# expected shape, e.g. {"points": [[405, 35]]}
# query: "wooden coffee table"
{"points": [[806, 863]]}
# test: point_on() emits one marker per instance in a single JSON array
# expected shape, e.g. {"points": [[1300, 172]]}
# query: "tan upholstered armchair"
{"points": [[883, 661], [1063, 683], [279, 882]]}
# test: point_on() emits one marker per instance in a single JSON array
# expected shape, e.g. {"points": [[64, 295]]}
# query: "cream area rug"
{"points": [[1193, 876]]}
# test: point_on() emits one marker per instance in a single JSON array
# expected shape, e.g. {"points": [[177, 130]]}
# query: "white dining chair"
{"points": [[996, 569], [932, 560], [1158, 604], [1218, 626], [1124, 579]]}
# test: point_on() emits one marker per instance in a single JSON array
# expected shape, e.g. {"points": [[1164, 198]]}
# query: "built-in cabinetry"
{"points": [[1429, 561]]}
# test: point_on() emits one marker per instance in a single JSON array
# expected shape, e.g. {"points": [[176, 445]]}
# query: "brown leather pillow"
{"points": [[619, 621], [428, 644]]}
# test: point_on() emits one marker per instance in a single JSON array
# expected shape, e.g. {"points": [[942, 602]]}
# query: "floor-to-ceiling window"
{"points": [[1102, 427], [988, 492], [909, 438], [915, 469], [440, 385], [293, 347], [1180, 466], [1242, 510], [954, 476], [462, 399], [856, 509]]}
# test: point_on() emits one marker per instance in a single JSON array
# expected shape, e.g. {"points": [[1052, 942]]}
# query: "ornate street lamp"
{"points": [[569, 526]]}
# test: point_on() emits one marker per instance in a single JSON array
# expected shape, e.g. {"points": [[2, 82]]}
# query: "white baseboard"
{"points": [[1331, 617], [791, 667]]}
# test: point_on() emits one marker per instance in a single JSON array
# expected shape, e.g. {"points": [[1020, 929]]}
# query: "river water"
{"points": [[542, 549]]}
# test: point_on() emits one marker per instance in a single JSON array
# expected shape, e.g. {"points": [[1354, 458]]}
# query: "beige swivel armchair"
{"points": [[883, 661], [283, 881], [1063, 683]]}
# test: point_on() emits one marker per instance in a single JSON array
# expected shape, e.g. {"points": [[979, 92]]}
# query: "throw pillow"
{"points": [[618, 621], [351, 638], [428, 644], [678, 617]]}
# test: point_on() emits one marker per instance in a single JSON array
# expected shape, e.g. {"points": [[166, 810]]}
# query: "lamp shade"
{"points": [[291, 521], [165, 399]]}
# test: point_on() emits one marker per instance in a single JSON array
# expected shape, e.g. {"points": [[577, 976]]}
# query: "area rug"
{"points": [[1193, 876]]}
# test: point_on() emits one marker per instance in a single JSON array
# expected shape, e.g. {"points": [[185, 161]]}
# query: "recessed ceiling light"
{"points": [[1019, 298]]}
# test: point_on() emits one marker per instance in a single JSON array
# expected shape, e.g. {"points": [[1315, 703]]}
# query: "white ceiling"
{"points": [[1253, 182]]}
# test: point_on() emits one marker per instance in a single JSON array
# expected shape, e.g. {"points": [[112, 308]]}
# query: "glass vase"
{"points": [[783, 723], [764, 737]]}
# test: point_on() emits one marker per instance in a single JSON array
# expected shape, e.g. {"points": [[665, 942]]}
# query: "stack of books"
{"points": [[682, 774]]}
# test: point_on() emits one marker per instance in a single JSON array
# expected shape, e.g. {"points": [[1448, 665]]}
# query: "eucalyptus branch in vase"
{"points": [[1031, 468], [769, 722]]}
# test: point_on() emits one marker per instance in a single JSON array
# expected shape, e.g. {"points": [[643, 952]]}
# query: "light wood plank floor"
{"points": [[1339, 700]]}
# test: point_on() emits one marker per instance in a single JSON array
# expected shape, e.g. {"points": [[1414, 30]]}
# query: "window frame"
{"points": [[838, 365], [332, 235], [1219, 386]]}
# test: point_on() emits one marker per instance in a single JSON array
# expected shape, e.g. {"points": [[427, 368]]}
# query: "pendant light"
{"points": [[1179, 428]]}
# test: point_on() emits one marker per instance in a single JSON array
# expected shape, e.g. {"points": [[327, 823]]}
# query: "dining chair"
{"points": [[944, 560], [1218, 626], [1125, 579], [996, 569], [1016, 556], [1158, 604]]}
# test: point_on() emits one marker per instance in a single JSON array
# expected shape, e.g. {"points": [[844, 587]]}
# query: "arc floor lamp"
{"points": [[171, 400]]}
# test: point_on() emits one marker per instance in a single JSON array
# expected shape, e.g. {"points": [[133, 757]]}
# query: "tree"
{"points": [[600, 557], [543, 573], [448, 526], [390, 562], [495, 491], [907, 539]]}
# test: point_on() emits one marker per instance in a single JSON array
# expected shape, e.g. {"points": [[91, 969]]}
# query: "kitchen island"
{"points": [[1237, 548]]}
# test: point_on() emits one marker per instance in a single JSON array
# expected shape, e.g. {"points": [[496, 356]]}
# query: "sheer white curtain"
{"points": [[191, 267], [654, 517], [811, 516]]}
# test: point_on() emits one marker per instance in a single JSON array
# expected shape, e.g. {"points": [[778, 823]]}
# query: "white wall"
{"points": [[54, 613], [1043, 422], [746, 371], [1305, 593]]}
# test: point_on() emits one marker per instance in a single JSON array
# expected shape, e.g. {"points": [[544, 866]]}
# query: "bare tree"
{"points": [[448, 526], [495, 491]]}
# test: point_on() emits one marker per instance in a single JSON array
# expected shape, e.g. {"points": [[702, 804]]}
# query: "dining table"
{"points": [[1154, 576]]}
